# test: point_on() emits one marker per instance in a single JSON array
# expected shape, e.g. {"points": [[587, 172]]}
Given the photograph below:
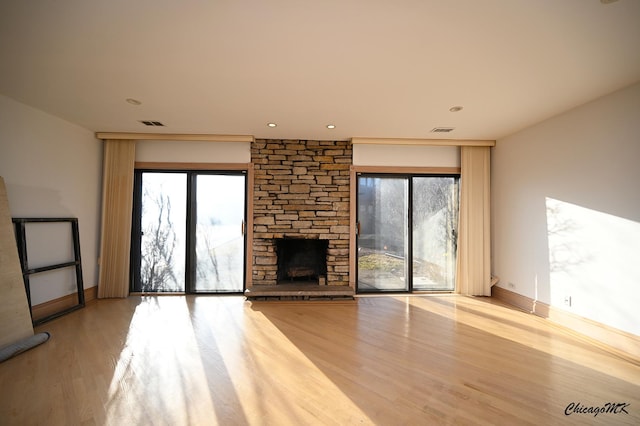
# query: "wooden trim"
{"points": [[353, 192], [514, 299], [192, 166], [411, 170], [175, 137], [61, 303], [251, 138], [424, 142], [249, 228], [617, 341]]}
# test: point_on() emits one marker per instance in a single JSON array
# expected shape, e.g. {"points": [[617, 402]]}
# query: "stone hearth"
{"points": [[301, 190]]}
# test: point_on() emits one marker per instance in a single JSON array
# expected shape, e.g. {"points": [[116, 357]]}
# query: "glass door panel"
{"points": [[220, 207], [383, 234], [435, 222], [163, 234]]}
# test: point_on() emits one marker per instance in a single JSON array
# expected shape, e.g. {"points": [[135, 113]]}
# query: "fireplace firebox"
{"points": [[301, 260]]}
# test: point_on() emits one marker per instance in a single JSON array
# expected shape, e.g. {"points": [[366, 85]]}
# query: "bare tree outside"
{"points": [[435, 224], [215, 250], [383, 238], [162, 225], [208, 264], [219, 237], [157, 248]]}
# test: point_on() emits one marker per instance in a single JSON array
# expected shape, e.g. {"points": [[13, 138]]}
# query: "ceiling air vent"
{"points": [[442, 129], [152, 123]]}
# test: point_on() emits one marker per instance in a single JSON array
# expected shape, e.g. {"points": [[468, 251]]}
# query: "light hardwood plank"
{"points": [[192, 360]]}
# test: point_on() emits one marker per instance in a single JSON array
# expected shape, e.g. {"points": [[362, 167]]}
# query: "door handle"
{"points": [[358, 228], [242, 227]]}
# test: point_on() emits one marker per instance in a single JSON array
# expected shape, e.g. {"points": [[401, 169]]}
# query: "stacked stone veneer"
{"points": [[301, 190]]}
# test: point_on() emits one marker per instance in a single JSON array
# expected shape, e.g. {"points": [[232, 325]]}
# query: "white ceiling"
{"points": [[373, 68]]}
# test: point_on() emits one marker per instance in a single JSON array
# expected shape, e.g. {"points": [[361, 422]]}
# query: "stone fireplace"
{"points": [[300, 192]]}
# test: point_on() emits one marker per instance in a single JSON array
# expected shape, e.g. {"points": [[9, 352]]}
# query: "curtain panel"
{"points": [[474, 231], [117, 205]]}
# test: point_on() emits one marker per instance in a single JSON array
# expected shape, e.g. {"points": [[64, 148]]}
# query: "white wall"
{"points": [[566, 210], [52, 168], [406, 155], [193, 151]]}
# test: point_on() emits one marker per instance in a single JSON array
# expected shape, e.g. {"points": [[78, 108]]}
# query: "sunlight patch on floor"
{"points": [[160, 337], [295, 386], [247, 362], [524, 329]]}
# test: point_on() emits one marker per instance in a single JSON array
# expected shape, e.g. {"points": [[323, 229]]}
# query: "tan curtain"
{"points": [[117, 204], [474, 242]]}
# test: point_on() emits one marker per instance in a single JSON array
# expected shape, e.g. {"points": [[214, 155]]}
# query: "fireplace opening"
{"points": [[301, 260]]}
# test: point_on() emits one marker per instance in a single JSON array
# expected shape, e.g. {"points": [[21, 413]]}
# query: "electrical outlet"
{"points": [[567, 300]]}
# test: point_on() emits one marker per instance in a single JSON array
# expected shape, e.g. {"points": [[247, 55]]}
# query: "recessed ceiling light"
{"points": [[272, 125], [133, 101], [331, 126], [455, 109]]}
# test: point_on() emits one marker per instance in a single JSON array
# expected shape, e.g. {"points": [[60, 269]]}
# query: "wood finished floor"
{"points": [[204, 360]]}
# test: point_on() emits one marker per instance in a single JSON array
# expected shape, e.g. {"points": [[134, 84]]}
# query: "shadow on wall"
{"points": [[593, 264]]}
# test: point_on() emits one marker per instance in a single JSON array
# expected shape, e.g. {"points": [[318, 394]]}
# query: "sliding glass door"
{"points": [[434, 232], [162, 215], [407, 228], [383, 237], [188, 232], [219, 233]]}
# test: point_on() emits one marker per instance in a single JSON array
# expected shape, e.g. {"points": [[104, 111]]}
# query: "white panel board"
{"points": [[193, 151], [406, 155]]}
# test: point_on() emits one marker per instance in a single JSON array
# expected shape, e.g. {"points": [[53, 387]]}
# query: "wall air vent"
{"points": [[442, 129], [152, 123]]}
